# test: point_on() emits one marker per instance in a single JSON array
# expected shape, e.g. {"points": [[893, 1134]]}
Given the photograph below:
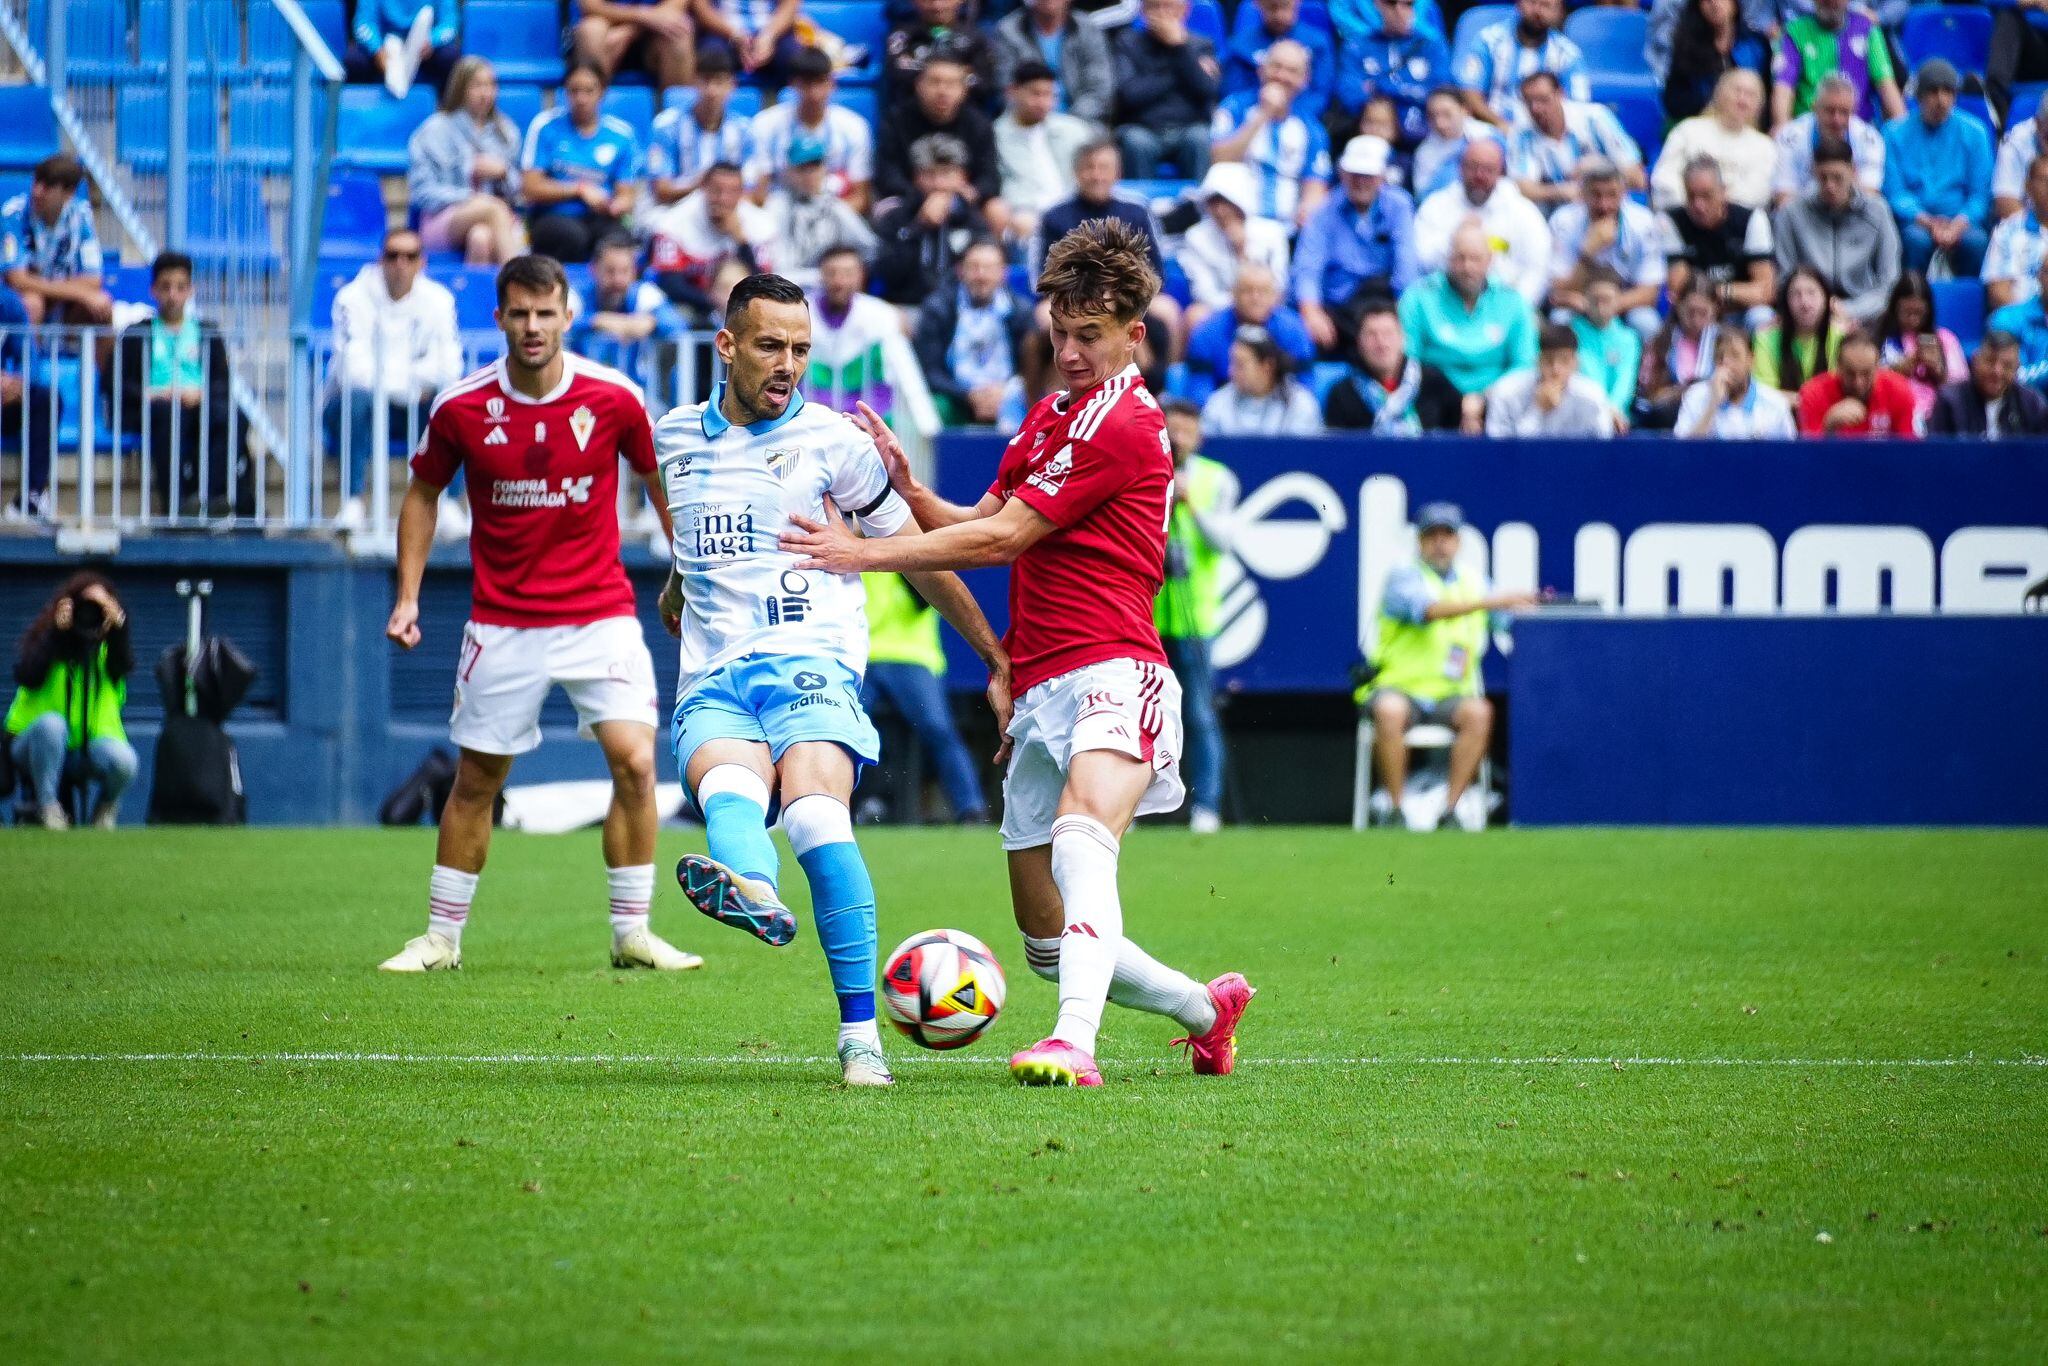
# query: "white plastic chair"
{"points": [[1426, 735]]}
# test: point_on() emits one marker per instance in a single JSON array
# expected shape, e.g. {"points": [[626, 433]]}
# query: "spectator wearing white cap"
{"points": [[1606, 228], [1359, 246], [1515, 226], [1232, 233]]}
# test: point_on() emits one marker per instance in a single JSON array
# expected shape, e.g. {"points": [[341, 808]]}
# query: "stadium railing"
{"points": [[207, 127]]}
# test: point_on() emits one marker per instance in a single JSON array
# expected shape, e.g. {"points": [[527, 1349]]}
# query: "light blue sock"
{"points": [[736, 828], [842, 899]]}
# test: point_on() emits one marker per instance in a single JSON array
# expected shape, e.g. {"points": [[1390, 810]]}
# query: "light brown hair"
{"points": [[1102, 266]]}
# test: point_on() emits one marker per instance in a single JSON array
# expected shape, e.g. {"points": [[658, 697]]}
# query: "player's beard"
{"points": [[516, 361], [758, 406]]}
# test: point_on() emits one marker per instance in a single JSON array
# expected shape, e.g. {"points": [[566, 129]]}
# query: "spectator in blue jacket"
{"points": [[1165, 92], [2028, 322], [398, 41], [1254, 302], [1357, 20], [625, 317], [1937, 175], [1359, 246], [1403, 61], [1262, 23]]}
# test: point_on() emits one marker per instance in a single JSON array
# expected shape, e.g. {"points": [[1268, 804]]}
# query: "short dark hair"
{"points": [[1377, 306], [1029, 70], [842, 249], [538, 274], [1556, 337], [1998, 339], [1861, 336], [1093, 146], [1176, 406], [1540, 77], [168, 261], [809, 64], [715, 59], [1829, 149], [61, 170], [616, 241], [596, 69], [401, 230], [774, 289], [1450, 90], [1604, 275], [722, 168]]}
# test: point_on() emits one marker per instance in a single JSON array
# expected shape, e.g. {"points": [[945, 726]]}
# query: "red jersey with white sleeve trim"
{"points": [[1100, 469], [543, 489]]}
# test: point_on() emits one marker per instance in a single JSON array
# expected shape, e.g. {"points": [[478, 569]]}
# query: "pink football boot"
{"points": [[1055, 1062], [1215, 1052]]}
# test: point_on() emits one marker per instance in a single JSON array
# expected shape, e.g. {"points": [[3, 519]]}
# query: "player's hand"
{"points": [[828, 546], [403, 629], [670, 606], [1004, 706], [893, 458]]}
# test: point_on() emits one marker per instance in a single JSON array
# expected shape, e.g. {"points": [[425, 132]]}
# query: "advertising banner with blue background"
{"points": [[1640, 528]]}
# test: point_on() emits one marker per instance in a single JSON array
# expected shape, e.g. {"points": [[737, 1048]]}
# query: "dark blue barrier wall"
{"points": [[339, 715], [1844, 721]]}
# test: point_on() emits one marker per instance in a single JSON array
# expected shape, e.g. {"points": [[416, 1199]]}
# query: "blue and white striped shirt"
{"points": [[683, 149], [1589, 130], [55, 251], [1497, 62], [1282, 155]]}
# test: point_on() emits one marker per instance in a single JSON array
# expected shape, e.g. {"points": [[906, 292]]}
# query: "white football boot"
{"points": [[862, 1064], [430, 952], [641, 947]]}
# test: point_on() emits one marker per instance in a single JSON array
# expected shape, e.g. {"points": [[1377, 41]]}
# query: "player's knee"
{"points": [[633, 773], [813, 821], [476, 783]]}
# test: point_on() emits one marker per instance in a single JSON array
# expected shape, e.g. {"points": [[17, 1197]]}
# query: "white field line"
{"points": [[788, 1060]]}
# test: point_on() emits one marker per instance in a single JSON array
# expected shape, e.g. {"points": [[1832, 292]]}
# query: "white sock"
{"points": [[449, 892], [1141, 982], [1084, 867], [861, 1029], [632, 891]]}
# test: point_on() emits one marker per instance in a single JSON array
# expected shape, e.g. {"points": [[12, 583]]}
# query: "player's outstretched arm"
{"points": [[978, 543], [417, 514], [931, 511], [657, 493], [944, 591]]}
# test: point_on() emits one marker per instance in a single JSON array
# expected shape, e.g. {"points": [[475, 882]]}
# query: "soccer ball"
{"points": [[942, 988]]}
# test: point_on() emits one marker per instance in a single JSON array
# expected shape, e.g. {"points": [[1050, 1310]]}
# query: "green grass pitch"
{"points": [[1706, 1096]]}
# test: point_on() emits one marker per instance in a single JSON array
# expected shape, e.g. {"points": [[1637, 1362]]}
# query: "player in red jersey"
{"points": [[540, 434], [1079, 506]]}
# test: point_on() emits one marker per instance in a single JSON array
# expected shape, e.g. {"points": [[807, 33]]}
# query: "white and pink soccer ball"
{"points": [[942, 988]]}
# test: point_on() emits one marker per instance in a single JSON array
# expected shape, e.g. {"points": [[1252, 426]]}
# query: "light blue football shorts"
{"points": [[779, 701]]}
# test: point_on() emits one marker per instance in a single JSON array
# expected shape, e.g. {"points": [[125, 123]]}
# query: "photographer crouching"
{"points": [[72, 675]]}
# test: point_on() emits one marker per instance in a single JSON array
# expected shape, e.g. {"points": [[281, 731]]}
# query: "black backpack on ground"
{"points": [[198, 773]]}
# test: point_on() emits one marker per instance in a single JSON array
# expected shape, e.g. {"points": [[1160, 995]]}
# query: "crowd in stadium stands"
{"points": [[1368, 215]]}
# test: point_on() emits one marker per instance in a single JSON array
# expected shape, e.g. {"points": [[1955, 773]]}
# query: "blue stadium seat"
{"points": [[1474, 19], [128, 284], [520, 103], [95, 38], [2026, 99], [1960, 33], [476, 296], [213, 36], [260, 126], [356, 218], [1975, 107], [1205, 20], [28, 130], [522, 38], [857, 23], [1639, 112], [1324, 376], [633, 103], [1959, 306], [1611, 39], [861, 100], [1173, 282], [143, 128], [271, 43], [374, 127]]}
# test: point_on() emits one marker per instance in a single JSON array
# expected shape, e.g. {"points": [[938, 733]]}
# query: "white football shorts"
{"points": [[1126, 705], [506, 671]]}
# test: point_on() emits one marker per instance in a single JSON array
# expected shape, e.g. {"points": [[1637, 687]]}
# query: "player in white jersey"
{"points": [[768, 699]]}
